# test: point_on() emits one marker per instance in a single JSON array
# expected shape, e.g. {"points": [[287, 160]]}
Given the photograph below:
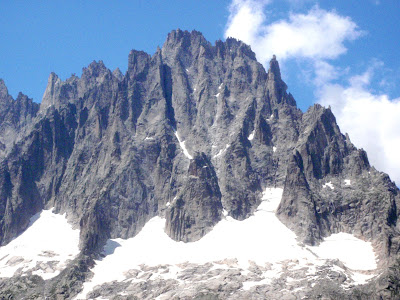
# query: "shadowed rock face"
{"points": [[104, 149], [197, 207]]}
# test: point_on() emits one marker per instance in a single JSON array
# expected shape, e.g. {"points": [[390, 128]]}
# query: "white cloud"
{"points": [[325, 72], [245, 19], [301, 36], [371, 120]]}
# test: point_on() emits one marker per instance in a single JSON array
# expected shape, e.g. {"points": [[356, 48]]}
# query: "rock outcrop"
{"points": [[16, 117]]}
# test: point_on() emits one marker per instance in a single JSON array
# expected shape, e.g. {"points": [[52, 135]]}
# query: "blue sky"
{"points": [[65, 36], [343, 54]]}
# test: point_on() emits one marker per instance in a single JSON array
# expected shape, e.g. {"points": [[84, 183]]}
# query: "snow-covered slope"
{"points": [[261, 240], [44, 248]]}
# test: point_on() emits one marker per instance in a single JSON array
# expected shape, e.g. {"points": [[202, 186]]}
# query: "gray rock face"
{"points": [[197, 207], [16, 117], [104, 149], [358, 200]]}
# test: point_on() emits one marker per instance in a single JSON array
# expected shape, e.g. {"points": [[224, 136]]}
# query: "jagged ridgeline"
{"points": [[192, 133]]}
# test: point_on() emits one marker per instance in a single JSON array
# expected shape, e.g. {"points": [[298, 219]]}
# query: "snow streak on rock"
{"points": [[183, 147], [222, 151]]}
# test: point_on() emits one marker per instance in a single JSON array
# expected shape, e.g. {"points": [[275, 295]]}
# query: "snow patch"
{"points": [[360, 278], [217, 95], [274, 148], [251, 136], [220, 86], [249, 284], [353, 252], [44, 248], [347, 182], [328, 184], [168, 204], [270, 200], [183, 147]]}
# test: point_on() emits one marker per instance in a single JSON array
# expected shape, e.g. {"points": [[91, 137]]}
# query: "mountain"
{"points": [[193, 144]]}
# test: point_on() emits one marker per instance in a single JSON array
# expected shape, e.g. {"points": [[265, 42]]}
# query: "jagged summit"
{"points": [[274, 72], [182, 38], [193, 135], [118, 74], [3, 90]]}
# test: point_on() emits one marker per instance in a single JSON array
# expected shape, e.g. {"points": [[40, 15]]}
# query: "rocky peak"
{"points": [[118, 74], [318, 113], [184, 39], [274, 72], [22, 98], [137, 63], [185, 46], [52, 89], [276, 86], [237, 47], [6, 101], [96, 70], [24, 107], [3, 90]]}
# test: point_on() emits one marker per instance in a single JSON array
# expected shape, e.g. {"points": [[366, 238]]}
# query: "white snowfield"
{"points": [[44, 248], [260, 239], [353, 252]]}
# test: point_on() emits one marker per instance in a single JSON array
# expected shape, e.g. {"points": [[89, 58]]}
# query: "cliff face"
{"points": [[190, 133], [15, 117]]}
